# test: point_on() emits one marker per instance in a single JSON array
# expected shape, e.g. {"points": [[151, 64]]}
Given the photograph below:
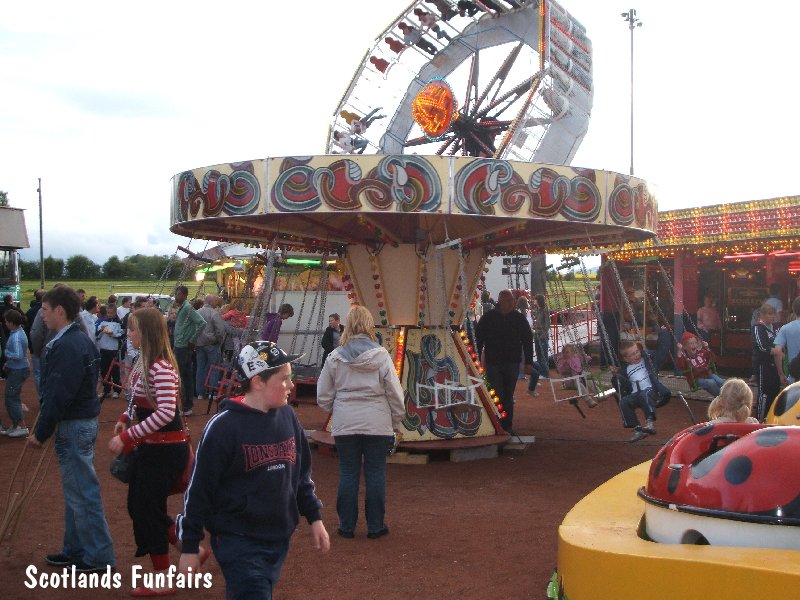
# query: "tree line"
{"points": [[79, 266]]}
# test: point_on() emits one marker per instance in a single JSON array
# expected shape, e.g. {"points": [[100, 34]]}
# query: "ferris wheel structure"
{"points": [[517, 76]]}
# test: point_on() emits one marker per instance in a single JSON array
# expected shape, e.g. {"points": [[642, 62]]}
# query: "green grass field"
{"points": [[103, 287]]}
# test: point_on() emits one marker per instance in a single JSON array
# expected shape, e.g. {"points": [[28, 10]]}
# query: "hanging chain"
{"points": [[442, 287], [313, 310], [300, 313], [321, 318], [671, 288], [571, 327], [262, 300]]}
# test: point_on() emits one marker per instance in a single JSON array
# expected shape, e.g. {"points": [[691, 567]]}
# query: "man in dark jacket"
{"points": [[503, 336], [69, 410], [36, 304], [330, 339]]}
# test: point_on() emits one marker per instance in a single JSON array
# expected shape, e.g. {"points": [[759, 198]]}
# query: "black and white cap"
{"points": [[260, 356]]}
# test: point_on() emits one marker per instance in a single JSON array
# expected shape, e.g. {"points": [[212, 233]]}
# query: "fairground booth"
{"points": [[726, 256]]}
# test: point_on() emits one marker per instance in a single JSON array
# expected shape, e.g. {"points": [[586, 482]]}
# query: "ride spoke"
{"points": [[500, 76], [472, 82]]}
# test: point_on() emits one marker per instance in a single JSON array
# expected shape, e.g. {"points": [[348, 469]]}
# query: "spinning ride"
{"points": [[416, 232]]}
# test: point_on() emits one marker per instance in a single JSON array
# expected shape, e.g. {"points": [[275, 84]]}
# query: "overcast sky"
{"points": [[106, 101]]}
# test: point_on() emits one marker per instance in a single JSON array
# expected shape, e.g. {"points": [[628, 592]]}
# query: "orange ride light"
{"points": [[434, 108]]}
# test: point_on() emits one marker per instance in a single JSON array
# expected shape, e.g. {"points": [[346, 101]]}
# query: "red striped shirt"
{"points": [[163, 383]]}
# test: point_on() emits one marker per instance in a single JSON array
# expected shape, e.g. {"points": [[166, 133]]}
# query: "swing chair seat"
{"points": [[582, 383], [306, 374]]}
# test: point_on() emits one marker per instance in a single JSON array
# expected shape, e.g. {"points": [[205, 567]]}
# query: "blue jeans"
{"points": [[351, 450], [542, 363], [644, 399], [503, 378], [207, 356], [184, 359], [251, 566], [86, 535], [711, 384], [14, 380]]}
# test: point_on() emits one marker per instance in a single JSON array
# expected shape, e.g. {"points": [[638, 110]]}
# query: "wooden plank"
{"points": [[406, 458], [514, 449]]}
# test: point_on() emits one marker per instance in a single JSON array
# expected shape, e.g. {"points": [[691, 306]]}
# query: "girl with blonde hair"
{"points": [[359, 385], [734, 403]]}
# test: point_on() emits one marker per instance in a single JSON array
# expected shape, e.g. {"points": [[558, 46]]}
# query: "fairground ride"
{"points": [[414, 232]]}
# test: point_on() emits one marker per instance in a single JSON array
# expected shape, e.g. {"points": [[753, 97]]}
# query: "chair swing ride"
{"points": [[415, 233]]}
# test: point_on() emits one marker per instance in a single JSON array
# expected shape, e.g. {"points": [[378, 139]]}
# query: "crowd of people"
{"points": [[512, 339], [251, 501], [261, 500], [76, 332]]}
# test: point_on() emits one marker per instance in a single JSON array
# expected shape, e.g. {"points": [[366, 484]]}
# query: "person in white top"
{"points": [[124, 308], [89, 316], [108, 334], [787, 345], [359, 385]]}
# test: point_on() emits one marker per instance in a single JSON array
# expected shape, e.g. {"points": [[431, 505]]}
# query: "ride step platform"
{"points": [[518, 445]]}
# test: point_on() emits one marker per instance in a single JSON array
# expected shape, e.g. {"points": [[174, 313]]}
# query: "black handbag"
{"points": [[122, 466]]}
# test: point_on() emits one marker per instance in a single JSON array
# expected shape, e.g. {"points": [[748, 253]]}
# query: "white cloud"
{"points": [[106, 102]]}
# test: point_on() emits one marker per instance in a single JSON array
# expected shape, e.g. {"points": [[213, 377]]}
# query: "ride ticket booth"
{"points": [[731, 253]]}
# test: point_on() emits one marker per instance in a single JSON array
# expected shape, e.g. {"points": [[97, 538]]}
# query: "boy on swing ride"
{"points": [[638, 386]]}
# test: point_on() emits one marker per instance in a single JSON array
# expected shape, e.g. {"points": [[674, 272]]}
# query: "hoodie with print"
{"points": [[252, 477]]}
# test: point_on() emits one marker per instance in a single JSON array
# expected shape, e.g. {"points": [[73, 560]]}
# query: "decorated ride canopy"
{"points": [[325, 203]]}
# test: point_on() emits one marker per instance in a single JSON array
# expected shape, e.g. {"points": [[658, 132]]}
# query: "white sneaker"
{"points": [[5, 430], [16, 432], [115, 395], [649, 427], [186, 413]]}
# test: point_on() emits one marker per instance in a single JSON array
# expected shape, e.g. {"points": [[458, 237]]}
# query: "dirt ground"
{"points": [[478, 529]]}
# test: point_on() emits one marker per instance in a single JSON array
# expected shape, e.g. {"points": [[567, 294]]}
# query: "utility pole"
{"points": [[41, 239], [633, 22]]}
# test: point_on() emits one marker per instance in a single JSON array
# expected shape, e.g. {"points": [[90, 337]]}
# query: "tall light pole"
{"points": [[41, 238], [633, 22]]}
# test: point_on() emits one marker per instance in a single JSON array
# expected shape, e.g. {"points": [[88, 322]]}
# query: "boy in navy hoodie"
{"points": [[252, 479]]}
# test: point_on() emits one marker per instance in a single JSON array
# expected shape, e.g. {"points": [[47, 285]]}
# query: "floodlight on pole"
{"points": [[633, 22]]}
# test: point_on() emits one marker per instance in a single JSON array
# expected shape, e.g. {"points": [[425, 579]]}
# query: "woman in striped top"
{"points": [[152, 427]]}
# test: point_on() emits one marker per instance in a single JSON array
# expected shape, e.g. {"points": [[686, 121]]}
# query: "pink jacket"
{"points": [[569, 367]]}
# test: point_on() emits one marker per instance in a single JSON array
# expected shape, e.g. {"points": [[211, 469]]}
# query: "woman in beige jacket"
{"points": [[359, 385]]}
